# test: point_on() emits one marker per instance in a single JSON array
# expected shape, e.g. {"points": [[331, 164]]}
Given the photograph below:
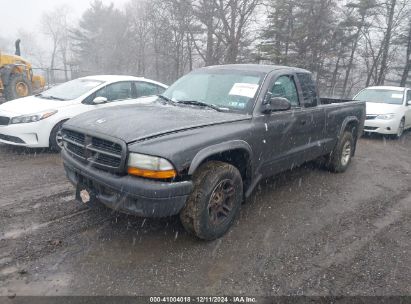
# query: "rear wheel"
{"points": [[17, 87], [215, 201], [340, 158]]}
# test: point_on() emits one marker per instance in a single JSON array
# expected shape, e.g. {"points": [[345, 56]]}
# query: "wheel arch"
{"points": [[237, 153]]}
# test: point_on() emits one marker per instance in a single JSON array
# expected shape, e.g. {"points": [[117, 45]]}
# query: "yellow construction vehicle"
{"points": [[16, 76]]}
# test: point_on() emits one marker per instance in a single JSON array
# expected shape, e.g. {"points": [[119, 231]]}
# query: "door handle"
{"points": [[303, 122]]}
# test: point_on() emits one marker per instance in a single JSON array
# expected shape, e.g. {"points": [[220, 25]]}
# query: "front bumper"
{"points": [[382, 126], [32, 135], [129, 194]]}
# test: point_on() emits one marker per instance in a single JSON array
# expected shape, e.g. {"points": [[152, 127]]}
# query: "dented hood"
{"points": [[132, 123]]}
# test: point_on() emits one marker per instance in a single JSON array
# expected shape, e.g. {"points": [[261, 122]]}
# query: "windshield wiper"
{"points": [[165, 98], [201, 104]]}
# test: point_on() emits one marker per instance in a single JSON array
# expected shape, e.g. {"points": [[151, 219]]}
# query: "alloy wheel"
{"points": [[221, 202], [346, 153], [59, 138]]}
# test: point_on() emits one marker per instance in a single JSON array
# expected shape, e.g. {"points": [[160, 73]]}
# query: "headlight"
{"points": [[386, 116], [150, 166], [32, 117]]}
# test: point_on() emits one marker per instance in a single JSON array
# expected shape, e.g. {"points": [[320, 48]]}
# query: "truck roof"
{"points": [[263, 68]]}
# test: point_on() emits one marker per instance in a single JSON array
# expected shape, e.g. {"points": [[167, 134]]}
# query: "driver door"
{"points": [[285, 128]]}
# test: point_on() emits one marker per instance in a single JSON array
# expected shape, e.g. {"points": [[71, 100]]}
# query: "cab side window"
{"points": [[409, 96], [308, 88], [147, 89], [285, 87]]}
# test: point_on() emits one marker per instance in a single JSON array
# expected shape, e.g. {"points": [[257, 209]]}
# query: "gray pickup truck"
{"points": [[201, 148]]}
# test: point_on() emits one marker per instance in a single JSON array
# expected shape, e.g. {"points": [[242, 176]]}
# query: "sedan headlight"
{"points": [[386, 116], [32, 117], [150, 166]]}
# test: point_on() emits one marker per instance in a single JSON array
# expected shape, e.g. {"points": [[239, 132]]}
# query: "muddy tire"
{"points": [[55, 140], [340, 158], [215, 201], [17, 87]]}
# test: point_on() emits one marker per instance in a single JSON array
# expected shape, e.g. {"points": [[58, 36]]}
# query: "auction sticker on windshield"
{"points": [[244, 89], [399, 96]]}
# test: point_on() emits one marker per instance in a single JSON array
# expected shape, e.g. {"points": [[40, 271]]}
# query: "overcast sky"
{"points": [[26, 14]]}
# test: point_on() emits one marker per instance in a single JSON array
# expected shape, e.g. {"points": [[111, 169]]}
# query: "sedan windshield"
{"points": [[226, 89], [381, 96], [71, 90]]}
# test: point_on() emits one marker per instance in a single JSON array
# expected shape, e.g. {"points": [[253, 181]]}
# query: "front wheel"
{"points": [[401, 129], [56, 138], [215, 201], [340, 158]]}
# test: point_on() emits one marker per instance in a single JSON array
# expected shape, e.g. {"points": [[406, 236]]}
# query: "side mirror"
{"points": [[99, 100], [276, 104], [409, 103]]}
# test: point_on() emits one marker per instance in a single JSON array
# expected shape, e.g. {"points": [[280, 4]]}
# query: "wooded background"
{"points": [[347, 44]]}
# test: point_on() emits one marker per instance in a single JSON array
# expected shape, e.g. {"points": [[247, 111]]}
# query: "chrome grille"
{"points": [[74, 136], [106, 145], [77, 150], [96, 151]]}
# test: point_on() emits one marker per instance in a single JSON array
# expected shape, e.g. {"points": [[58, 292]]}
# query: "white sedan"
{"points": [[35, 121], [388, 109]]}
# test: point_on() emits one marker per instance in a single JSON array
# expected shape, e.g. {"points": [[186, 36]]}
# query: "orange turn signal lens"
{"points": [[152, 174]]}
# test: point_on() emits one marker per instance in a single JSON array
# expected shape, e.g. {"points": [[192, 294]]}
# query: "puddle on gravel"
{"points": [[68, 198], [8, 270], [52, 285], [5, 260], [17, 232]]}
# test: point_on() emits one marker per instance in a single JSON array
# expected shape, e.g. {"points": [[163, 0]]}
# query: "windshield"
{"points": [[226, 89], [72, 89], [381, 96]]}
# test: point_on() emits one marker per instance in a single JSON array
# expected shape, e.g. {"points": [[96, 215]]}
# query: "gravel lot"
{"points": [[304, 232]]}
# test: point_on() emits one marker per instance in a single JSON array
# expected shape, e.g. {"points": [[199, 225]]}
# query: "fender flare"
{"points": [[219, 148], [346, 121]]}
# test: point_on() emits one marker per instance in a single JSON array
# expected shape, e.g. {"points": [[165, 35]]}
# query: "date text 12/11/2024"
{"points": [[203, 299]]}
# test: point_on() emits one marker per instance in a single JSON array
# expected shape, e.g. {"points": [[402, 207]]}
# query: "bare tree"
{"points": [[407, 67], [235, 16], [386, 41], [363, 8], [55, 25]]}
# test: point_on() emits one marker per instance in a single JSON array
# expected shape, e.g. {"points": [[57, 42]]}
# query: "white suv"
{"points": [[35, 121]]}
